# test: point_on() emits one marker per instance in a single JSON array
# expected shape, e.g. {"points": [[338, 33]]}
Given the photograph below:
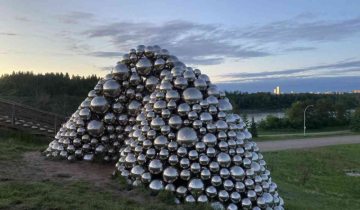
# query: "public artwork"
{"points": [[168, 127]]}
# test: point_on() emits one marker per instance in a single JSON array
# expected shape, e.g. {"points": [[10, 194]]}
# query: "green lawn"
{"points": [[315, 179], [307, 180], [12, 145], [71, 195]]}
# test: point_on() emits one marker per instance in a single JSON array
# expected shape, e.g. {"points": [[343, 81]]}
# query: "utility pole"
{"points": [[305, 118]]}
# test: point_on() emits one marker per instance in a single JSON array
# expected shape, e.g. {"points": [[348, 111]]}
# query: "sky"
{"points": [[250, 46]]}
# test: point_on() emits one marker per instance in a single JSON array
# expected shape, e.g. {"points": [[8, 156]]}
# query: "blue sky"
{"points": [[250, 46]]}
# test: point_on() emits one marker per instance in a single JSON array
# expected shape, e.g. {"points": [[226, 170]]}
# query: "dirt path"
{"points": [[299, 134], [307, 143], [34, 166]]}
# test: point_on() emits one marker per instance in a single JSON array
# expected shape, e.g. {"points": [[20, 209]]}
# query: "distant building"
{"points": [[277, 90], [356, 91], [329, 93], [292, 92]]}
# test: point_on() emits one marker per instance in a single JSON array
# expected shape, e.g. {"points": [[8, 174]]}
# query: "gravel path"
{"points": [[266, 146], [317, 133]]}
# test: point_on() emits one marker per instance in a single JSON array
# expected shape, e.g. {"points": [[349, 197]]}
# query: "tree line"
{"points": [[55, 92], [328, 110], [62, 94], [268, 101], [323, 113]]}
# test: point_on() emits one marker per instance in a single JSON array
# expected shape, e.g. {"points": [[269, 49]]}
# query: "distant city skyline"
{"points": [[250, 46]]}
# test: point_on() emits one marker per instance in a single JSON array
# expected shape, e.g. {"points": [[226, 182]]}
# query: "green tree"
{"points": [[245, 119], [340, 112], [235, 107], [355, 120], [324, 113], [253, 128], [296, 115]]}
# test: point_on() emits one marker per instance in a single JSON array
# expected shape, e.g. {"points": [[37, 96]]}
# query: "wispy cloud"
{"points": [[209, 44], [105, 54], [23, 19], [79, 47], [106, 68], [75, 17], [197, 44], [352, 70], [349, 65], [307, 15], [9, 34], [299, 49], [292, 30]]}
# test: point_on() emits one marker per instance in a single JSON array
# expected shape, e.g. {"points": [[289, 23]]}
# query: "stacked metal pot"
{"points": [[171, 129]]}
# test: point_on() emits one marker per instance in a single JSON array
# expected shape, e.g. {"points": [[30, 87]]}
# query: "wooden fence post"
{"points": [[55, 124], [13, 115]]}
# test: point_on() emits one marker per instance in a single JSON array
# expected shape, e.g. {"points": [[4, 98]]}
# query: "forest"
{"points": [[62, 93], [268, 101], [54, 92]]}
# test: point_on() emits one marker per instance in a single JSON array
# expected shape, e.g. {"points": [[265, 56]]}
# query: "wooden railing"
{"points": [[19, 116]]}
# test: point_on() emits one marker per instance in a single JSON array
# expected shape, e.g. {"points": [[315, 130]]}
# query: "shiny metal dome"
{"points": [[99, 105], [192, 96], [144, 67], [186, 137]]}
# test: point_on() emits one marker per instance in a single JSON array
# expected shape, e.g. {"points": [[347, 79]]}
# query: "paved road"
{"points": [[317, 133], [266, 146]]}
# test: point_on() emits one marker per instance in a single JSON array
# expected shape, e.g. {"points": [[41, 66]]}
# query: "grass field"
{"points": [[12, 145], [307, 180], [315, 179]]}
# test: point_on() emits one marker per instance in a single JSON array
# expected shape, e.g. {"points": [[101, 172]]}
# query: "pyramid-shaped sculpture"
{"points": [[168, 127]]}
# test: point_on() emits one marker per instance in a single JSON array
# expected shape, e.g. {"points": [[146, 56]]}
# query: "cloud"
{"points": [[210, 44], [300, 49], [198, 44], [292, 30], [75, 17], [307, 15], [201, 61], [105, 54], [343, 66], [352, 70], [347, 60], [23, 36], [78, 47], [106, 68], [9, 34], [23, 19]]}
